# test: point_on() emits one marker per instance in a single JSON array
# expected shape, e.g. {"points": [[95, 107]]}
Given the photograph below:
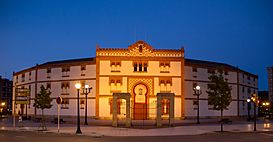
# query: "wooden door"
{"points": [[140, 111]]}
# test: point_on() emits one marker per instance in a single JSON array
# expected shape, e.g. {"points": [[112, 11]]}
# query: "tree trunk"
{"points": [[43, 121], [221, 120]]}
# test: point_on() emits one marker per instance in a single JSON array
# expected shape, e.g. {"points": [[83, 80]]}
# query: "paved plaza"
{"points": [[100, 128]]}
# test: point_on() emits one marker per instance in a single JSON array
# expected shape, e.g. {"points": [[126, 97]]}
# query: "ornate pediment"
{"points": [[140, 49]]}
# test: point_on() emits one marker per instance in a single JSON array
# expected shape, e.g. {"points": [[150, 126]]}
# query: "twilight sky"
{"points": [[237, 32]]}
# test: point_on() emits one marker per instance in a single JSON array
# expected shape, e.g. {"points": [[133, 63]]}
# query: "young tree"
{"points": [[219, 93], [43, 101]]}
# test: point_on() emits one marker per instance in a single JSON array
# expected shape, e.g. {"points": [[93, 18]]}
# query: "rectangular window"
{"points": [[65, 104], [48, 86], [65, 88], [135, 67], [83, 67], [165, 84], [48, 70], [65, 85], [195, 103], [211, 71], [248, 90], [29, 75], [226, 72], [194, 69], [164, 67], [162, 86], [65, 71], [140, 67], [23, 77], [243, 89], [145, 67], [115, 84], [115, 66], [82, 103]]}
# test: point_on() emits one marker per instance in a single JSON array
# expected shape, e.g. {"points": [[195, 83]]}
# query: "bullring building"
{"points": [[140, 71]]}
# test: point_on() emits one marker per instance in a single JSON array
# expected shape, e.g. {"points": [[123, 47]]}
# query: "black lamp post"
{"points": [[255, 102], [248, 108], [78, 86], [197, 92], [254, 116], [86, 90]]}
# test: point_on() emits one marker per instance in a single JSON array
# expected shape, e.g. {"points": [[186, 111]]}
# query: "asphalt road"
{"points": [[19, 136]]}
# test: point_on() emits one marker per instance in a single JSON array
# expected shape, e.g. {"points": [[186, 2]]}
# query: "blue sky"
{"points": [[237, 32]]}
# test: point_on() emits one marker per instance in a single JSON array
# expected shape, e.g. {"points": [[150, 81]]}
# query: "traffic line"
{"points": [[267, 134]]}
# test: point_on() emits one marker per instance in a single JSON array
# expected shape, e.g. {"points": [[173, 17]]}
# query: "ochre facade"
{"points": [[143, 72]]}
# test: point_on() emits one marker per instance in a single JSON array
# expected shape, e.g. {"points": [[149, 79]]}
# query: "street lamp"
{"points": [[255, 101], [78, 86], [248, 100], [266, 107], [197, 92], [86, 90]]}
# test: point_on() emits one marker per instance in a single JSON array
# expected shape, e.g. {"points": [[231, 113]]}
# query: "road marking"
{"points": [[20, 136], [271, 135]]}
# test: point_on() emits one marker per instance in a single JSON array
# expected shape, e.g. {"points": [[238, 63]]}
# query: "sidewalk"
{"points": [[98, 131], [189, 128]]}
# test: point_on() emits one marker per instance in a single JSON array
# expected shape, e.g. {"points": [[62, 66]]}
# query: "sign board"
{"points": [[59, 100], [22, 96]]}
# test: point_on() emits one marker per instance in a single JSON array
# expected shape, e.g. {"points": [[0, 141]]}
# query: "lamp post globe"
{"points": [[78, 86], [248, 100], [197, 87]]}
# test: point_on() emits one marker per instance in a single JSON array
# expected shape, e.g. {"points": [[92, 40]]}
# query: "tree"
{"points": [[43, 101], [219, 93]]}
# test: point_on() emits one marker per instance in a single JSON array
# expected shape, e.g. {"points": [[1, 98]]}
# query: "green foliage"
{"points": [[219, 93], [43, 100]]}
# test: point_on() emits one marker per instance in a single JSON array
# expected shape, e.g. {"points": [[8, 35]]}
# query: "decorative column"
{"points": [[171, 113], [128, 118], [115, 111], [159, 109]]}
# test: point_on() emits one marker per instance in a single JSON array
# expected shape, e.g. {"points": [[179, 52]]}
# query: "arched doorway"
{"points": [[140, 102]]}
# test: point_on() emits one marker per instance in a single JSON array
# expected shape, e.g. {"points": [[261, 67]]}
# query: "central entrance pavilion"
{"points": [[130, 82]]}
